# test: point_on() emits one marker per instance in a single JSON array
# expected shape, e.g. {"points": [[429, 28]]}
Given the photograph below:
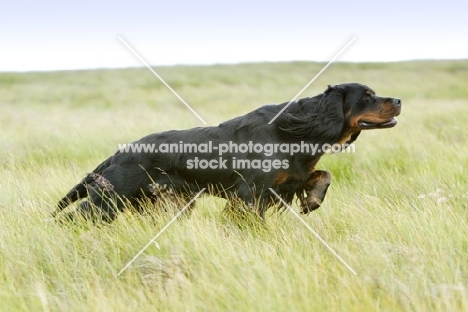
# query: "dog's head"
{"points": [[339, 114], [363, 109]]}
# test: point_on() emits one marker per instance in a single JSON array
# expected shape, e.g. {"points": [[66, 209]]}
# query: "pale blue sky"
{"points": [[51, 35]]}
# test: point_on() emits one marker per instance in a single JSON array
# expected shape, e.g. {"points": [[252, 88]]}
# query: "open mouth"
{"points": [[370, 125]]}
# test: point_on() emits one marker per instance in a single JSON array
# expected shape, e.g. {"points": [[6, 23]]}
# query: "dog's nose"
{"points": [[397, 102]]}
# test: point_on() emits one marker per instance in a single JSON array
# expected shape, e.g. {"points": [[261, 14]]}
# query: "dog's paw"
{"points": [[310, 203]]}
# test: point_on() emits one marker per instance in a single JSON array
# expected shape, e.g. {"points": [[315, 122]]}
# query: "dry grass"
{"points": [[396, 211]]}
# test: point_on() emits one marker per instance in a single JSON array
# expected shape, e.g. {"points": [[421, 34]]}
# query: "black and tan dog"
{"points": [[335, 116]]}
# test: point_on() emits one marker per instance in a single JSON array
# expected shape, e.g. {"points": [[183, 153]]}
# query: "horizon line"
{"points": [[227, 64]]}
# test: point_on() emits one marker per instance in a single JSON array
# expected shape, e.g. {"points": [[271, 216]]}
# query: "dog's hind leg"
{"points": [[101, 206], [84, 211]]}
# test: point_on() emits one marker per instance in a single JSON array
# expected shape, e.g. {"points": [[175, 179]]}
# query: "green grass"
{"points": [[396, 211]]}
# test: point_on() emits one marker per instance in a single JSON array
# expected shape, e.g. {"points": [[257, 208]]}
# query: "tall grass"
{"points": [[396, 211]]}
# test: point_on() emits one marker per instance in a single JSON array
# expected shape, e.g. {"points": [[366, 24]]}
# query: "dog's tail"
{"points": [[80, 190]]}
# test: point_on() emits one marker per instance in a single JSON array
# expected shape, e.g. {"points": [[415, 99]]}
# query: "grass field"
{"points": [[396, 211]]}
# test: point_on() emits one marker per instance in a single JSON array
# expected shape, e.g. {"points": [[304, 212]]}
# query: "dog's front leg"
{"points": [[315, 190]]}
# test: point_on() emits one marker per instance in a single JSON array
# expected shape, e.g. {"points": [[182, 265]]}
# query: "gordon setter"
{"points": [[336, 116]]}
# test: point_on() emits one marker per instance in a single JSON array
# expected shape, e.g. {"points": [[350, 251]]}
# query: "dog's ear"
{"points": [[323, 122], [337, 94], [330, 114]]}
